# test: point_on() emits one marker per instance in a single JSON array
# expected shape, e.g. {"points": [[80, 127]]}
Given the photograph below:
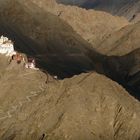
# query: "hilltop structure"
{"points": [[31, 64], [6, 46]]}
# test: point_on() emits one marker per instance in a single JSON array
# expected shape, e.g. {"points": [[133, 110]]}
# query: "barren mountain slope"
{"points": [[88, 106], [91, 25], [121, 42], [58, 49]]}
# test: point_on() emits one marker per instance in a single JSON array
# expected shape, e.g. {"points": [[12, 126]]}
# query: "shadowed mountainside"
{"points": [[54, 43]]}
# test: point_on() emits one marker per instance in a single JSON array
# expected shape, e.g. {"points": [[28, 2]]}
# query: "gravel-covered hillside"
{"points": [[87, 106]]}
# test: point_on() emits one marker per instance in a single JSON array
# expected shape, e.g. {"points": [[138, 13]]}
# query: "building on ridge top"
{"points": [[3, 39], [31, 64], [6, 46], [18, 58]]}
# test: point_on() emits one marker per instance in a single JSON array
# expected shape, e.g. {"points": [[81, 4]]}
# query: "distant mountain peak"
{"points": [[127, 8]]}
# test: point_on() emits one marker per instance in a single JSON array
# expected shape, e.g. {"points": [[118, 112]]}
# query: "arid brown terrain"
{"points": [[96, 95], [87, 106]]}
